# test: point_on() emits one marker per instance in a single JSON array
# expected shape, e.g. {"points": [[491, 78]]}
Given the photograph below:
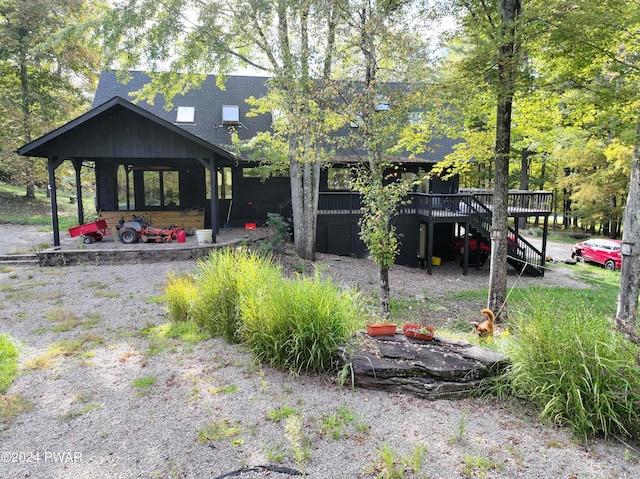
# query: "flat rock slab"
{"points": [[439, 369]]}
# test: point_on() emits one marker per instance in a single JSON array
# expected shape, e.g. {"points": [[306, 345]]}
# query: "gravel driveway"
{"points": [[107, 396]]}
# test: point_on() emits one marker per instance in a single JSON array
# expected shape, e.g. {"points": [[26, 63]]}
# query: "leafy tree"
{"points": [[48, 60], [388, 120], [494, 62], [593, 46], [293, 42]]}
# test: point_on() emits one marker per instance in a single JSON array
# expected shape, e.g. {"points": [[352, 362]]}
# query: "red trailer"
{"points": [[91, 231]]}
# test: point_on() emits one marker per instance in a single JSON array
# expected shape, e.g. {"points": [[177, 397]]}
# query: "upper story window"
{"points": [[339, 179], [230, 114], [186, 114]]}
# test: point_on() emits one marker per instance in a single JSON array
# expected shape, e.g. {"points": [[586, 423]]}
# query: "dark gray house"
{"points": [[174, 166]]}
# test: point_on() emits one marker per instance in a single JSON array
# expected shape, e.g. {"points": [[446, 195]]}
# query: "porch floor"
{"points": [[110, 250]]}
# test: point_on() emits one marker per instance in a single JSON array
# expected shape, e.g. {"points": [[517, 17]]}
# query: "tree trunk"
{"points": [[304, 181], [383, 291], [305, 184], [507, 74], [630, 274], [498, 271]]}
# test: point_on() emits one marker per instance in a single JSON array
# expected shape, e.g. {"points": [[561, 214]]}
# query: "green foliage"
{"points": [[280, 414], [224, 279], [219, 430], [279, 236], [391, 465], [334, 425], [47, 72], [295, 324], [8, 362], [181, 292], [569, 360], [298, 324]]}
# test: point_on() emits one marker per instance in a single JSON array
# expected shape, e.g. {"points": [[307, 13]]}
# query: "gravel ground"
{"points": [[120, 403]]}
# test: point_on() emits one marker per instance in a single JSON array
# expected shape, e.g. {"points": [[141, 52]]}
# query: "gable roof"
{"points": [[55, 143]]}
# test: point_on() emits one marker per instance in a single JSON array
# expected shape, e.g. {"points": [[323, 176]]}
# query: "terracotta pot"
{"points": [[413, 330], [381, 329]]}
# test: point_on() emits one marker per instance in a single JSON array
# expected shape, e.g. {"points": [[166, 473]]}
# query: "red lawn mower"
{"points": [[139, 229]]}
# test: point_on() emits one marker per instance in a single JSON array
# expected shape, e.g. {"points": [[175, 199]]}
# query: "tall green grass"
{"points": [[8, 362], [298, 324], [569, 360], [291, 323]]}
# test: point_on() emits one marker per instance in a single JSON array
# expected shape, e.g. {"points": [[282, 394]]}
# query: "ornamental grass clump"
{"points": [[181, 292], [298, 324], [222, 280], [8, 362], [577, 368]]}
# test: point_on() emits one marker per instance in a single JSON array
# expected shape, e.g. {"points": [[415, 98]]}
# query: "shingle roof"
{"points": [[208, 101]]}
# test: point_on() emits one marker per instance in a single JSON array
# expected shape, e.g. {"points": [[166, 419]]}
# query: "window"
{"points": [[161, 188], [225, 183], [339, 179], [186, 114], [230, 114], [124, 181]]}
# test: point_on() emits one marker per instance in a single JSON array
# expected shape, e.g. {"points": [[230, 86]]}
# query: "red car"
{"points": [[458, 246], [606, 252]]}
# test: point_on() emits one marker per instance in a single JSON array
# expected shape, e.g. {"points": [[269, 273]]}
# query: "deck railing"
{"points": [[520, 203]]}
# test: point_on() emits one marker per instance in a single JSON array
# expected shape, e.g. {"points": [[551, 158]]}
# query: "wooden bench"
{"points": [[188, 220]]}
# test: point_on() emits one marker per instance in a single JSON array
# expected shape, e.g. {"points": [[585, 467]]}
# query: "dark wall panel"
{"points": [[124, 134]]}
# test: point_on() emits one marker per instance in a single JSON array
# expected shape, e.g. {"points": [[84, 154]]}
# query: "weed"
{"points": [[477, 466], [143, 384], [219, 430], [87, 408], [334, 425], [392, 466], [106, 294], [461, 429], [280, 414], [156, 299], [61, 315], [297, 441], [276, 452], [224, 389], [12, 406], [55, 351]]}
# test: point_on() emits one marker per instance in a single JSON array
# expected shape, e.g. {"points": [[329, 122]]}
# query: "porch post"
{"points": [[77, 165], [51, 167], [430, 247]]}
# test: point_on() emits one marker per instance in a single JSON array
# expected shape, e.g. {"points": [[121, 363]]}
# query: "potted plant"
{"points": [[416, 331], [381, 329]]}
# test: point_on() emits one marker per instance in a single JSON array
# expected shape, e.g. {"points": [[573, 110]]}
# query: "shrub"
{"points": [[8, 362], [298, 324], [181, 292], [279, 236], [577, 368]]}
